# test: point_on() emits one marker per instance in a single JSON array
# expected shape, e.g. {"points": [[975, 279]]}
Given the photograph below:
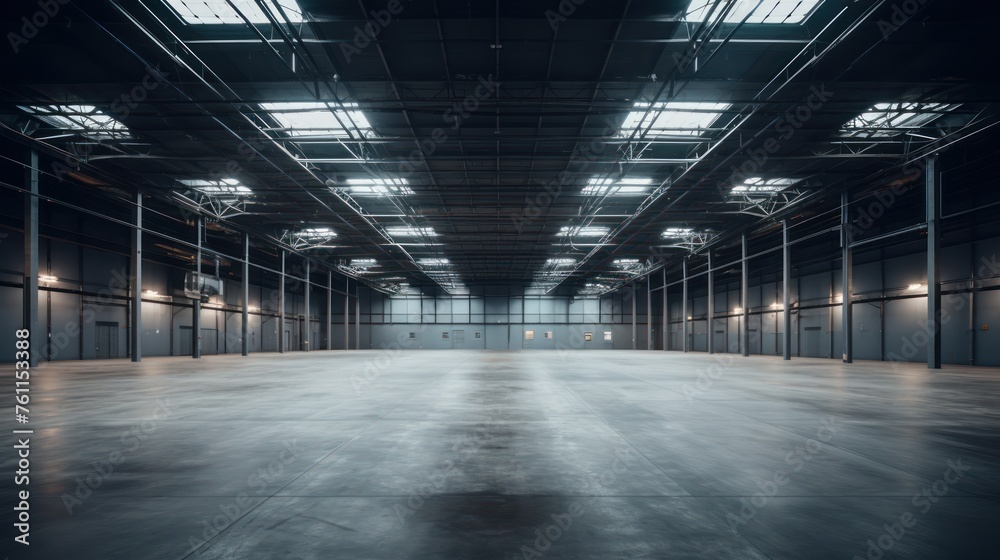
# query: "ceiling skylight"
{"points": [[770, 11], [220, 11], [677, 232], [758, 185], [626, 263], [217, 186], [676, 118], [589, 231], [433, 262], [560, 262], [379, 187], [890, 119], [310, 119], [409, 231], [363, 263], [316, 233], [86, 119], [627, 186]]}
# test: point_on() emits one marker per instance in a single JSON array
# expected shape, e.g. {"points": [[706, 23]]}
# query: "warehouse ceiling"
{"points": [[536, 143]]}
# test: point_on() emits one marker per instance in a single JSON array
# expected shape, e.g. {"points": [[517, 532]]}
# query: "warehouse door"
{"points": [[106, 339]]}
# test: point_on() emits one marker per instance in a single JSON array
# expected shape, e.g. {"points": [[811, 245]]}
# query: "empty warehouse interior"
{"points": [[581, 279]]}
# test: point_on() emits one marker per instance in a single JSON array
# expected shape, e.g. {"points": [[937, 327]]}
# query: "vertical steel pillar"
{"points": [[347, 316], [684, 307], [666, 313], [786, 336], [135, 321], [635, 343], [711, 304], [281, 305], [745, 299], [196, 311], [329, 310], [357, 316], [649, 312], [30, 283], [934, 315], [245, 320], [307, 338], [846, 280]]}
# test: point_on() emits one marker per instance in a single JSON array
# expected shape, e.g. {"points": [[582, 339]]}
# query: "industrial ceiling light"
{"points": [[676, 118], [379, 187], [623, 187], [310, 119], [221, 12], [587, 231], [410, 231], [88, 120], [758, 185], [226, 186], [433, 262], [316, 233], [675, 232], [47, 279], [560, 262], [884, 120], [768, 12]]}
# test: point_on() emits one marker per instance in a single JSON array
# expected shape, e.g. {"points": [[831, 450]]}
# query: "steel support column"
{"points": [[305, 301], [329, 310], [635, 342], [196, 311], [281, 305], [245, 320], [933, 271], [357, 316], [135, 290], [745, 299], [846, 280], [711, 304], [786, 275], [666, 313], [684, 306], [35, 338], [347, 315]]}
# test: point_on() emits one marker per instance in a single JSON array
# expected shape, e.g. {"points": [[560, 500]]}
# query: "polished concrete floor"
{"points": [[508, 455]]}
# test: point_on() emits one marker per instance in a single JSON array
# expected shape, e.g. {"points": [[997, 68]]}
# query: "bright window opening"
{"points": [[316, 233], [560, 262], [220, 12], [217, 186], [309, 119], [434, 262], [590, 231], [379, 187], [86, 119], [409, 231], [757, 185], [623, 187], [770, 11], [677, 232], [890, 119], [671, 119]]}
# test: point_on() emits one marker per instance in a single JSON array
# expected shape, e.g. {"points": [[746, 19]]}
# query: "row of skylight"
{"points": [[221, 12], [217, 187], [311, 119], [753, 11]]}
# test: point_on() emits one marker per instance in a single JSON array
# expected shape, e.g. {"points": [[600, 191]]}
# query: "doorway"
{"points": [[106, 339]]}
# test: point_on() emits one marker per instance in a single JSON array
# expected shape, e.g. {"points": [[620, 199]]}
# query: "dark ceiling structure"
{"points": [[578, 143]]}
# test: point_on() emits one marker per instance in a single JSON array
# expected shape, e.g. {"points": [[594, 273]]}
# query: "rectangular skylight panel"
{"points": [[434, 262], [760, 185], [677, 118], [408, 231], [316, 233], [379, 187], [221, 12], [590, 231], [309, 119], [677, 232], [623, 187], [886, 119], [220, 186], [769, 12], [560, 262], [86, 119]]}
